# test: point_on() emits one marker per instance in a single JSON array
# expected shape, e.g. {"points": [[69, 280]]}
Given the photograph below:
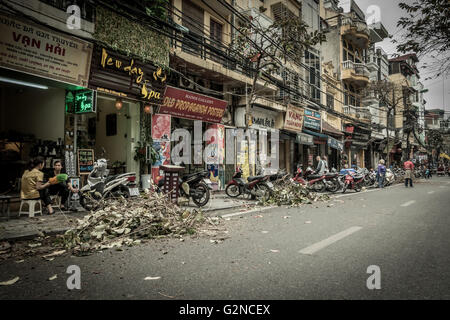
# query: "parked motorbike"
{"points": [[389, 178], [195, 186], [317, 183], [353, 182], [258, 187], [101, 185]]}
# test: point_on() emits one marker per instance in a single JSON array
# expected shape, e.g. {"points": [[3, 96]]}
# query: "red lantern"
{"points": [[119, 104], [148, 109]]}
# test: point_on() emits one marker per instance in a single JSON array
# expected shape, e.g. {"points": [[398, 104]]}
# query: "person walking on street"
{"points": [[325, 163], [409, 167], [381, 173], [320, 166]]}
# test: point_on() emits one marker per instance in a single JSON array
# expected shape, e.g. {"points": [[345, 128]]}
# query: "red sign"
{"points": [[190, 105]]}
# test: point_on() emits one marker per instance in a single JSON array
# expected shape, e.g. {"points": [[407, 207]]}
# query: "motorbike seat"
{"points": [[331, 175], [250, 179]]}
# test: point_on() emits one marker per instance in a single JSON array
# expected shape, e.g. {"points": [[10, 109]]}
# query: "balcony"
{"points": [[360, 113], [356, 73], [355, 31]]}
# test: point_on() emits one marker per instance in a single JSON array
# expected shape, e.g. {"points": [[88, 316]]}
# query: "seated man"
{"points": [[62, 189]]}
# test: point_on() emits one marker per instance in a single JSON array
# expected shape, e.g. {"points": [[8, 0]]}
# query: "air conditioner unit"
{"points": [[187, 82]]}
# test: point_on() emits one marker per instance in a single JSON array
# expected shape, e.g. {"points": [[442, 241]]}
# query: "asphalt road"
{"points": [[319, 251]]}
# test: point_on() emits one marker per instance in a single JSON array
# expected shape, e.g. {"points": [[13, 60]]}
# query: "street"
{"points": [[318, 251]]}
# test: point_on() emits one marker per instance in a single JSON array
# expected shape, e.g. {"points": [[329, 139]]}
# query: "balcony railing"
{"points": [[359, 26], [358, 112], [359, 69]]}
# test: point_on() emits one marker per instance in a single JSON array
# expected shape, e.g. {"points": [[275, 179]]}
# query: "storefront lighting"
{"points": [[119, 104], [148, 109], [23, 83]]}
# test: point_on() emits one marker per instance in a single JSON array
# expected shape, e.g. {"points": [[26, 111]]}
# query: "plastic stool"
{"points": [[31, 206]]}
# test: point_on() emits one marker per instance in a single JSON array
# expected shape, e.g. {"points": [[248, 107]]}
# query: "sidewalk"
{"points": [[25, 228]]}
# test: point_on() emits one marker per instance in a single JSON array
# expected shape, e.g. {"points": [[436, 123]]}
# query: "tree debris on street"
{"points": [[124, 222], [293, 194]]}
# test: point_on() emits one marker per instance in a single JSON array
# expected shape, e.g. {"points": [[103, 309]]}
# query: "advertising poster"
{"points": [[215, 139], [161, 143]]}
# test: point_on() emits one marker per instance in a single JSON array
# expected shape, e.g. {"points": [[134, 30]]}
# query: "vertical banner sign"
{"points": [[161, 124], [216, 154]]}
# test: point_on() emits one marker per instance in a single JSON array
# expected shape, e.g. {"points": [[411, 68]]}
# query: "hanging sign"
{"points": [[294, 119], [34, 49], [313, 120]]}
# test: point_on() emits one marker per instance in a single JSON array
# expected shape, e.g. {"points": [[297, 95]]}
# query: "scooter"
{"points": [[317, 183], [195, 186], [100, 185], [389, 177], [258, 187], [353, 182]]}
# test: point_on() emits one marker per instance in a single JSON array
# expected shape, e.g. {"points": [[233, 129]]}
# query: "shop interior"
{"points": [[36, 120]]}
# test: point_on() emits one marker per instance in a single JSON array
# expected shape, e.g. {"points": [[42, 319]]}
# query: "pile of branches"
{"points": [[293, 194], [127, 222]]}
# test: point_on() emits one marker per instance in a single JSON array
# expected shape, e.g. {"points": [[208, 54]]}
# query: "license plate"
{"points": [[269, 184], [134, 192]]}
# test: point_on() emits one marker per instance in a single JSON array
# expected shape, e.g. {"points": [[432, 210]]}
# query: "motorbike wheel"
{"points": [[319, 186], [358, 187], [233, 191], [262, 192], [345, 188], [202, 200], [335, 186]]}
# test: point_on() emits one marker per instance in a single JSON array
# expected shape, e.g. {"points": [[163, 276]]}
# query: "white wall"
{"points": [[33, 111]]}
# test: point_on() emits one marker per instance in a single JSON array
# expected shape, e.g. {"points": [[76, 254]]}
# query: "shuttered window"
{"points": [[216, 31]]}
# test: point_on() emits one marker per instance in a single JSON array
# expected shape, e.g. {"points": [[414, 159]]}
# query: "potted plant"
{"points": [[140, 154]]}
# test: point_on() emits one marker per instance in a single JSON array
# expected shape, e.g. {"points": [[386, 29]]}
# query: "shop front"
{"points": [[38, 67], [128, 91], [199, 117], [356, 145], [313, 126], [335, 146]]}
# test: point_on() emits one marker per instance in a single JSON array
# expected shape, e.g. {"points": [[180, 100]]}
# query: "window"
{"points": [[216, 31], [330, 101], [313, 76]]}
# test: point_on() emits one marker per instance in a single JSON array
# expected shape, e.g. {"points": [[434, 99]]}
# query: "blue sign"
{"points": [[312, 120], [333, 143]]}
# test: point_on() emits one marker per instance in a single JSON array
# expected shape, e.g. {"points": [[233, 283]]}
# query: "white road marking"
{"points": [[325, 243], [245, 212], [430, 192], [408, 203], [367, 191]]}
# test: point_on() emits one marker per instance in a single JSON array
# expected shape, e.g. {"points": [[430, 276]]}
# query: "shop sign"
{"points": [[305, 139], [190, 105], [335, 144], [294, 119], [161, 124], [263, 119], [85, 161], [29, 48], [123, 76], [313, 120], [83, 101]]}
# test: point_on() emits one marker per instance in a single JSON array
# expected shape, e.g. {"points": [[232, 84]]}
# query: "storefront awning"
{"points": [[316, 134], [335, 144], [326, 127], [305, 139]]}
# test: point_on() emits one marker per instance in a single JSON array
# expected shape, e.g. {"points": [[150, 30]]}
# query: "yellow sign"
{"points": [[445, 156]]}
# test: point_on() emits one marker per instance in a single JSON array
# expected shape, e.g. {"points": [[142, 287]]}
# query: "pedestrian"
{"points": [[320, 170], [409, 167], [381, 173], [325, 163]]}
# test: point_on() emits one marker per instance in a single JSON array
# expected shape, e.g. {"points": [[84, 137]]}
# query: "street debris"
{"points": [[293, 194], [275, 251], [53, 277], [54, 254], [308, 222], [9, 282], [264, 231], [126, 222]]}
